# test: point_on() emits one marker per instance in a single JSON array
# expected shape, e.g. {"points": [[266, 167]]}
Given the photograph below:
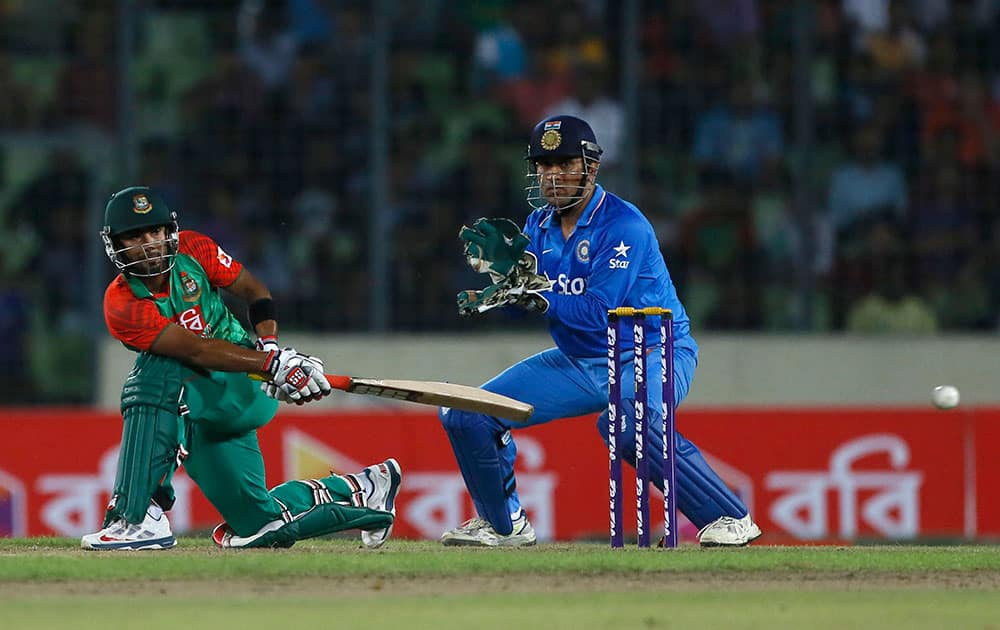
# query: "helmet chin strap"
{"points": [[165, 267], [582, 187], [124, 264]]}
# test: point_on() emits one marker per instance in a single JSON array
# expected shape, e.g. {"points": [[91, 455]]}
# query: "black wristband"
{"points": [[260, 311]]}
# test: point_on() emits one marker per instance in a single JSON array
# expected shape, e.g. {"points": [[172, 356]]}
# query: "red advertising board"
{"points": [[808, 474]]}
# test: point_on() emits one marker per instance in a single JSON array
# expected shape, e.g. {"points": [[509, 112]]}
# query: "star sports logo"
{"points": [[618, 261]]}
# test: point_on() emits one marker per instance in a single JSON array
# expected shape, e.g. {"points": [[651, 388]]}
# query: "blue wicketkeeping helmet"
{"points": [[561, 136]]}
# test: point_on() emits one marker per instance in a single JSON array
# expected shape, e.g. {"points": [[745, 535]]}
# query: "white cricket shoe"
{"points": [[386, 479], [153, 533], [728, 531], [477, 532]]}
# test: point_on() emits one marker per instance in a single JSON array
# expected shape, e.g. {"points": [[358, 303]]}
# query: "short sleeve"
{"points": [[221, 268], [133, 321]]}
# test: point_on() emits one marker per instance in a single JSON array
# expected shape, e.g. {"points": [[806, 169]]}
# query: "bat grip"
{"points": [[335, 381], [339, 382]]}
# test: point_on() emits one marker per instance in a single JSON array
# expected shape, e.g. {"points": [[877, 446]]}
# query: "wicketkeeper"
{"points": [[583, 251]]}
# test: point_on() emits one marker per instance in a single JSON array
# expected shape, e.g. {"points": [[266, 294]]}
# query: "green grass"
{"points": [[59, 559], [50, 583], [814, 611]]}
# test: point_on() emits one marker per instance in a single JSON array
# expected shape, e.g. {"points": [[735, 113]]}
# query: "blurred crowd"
{"points": [[809, 166]]}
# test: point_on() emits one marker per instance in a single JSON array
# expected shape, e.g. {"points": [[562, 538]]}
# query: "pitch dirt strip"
{"points": [[349, 587], [51, 583], [416, 565]]}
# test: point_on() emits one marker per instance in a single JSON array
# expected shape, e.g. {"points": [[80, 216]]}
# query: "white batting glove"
{"points": [[270, 344], [317, 385], [297, 376]]}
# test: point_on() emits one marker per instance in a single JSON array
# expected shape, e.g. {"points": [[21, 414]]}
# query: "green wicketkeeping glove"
{"points": [[521, 288], [493, 246], [528, 288], [471, 302]]}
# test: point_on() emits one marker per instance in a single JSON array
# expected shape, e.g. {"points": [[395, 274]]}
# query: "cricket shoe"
{"points": [[728, 531], [477, 532], [153, 533], [385, 479]]}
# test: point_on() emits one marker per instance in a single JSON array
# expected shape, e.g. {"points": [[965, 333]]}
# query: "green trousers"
{"points": [[208, 423]]}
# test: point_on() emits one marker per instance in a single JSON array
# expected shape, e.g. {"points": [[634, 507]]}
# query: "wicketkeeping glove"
{"points": [[471, 302], [297, 376], [521, 288], [528, 292], [493, 246]]}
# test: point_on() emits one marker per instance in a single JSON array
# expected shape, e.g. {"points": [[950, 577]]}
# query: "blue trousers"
{"points": [[560, 386]]}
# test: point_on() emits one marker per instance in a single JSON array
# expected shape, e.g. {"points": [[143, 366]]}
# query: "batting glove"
{"points": [[270, 344], [297, 377]]}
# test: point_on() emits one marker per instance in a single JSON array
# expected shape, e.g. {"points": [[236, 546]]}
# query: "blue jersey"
{"points": [[611, 259]]}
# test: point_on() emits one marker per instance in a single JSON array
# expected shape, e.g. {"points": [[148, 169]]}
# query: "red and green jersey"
{"points": [[136, 317]]}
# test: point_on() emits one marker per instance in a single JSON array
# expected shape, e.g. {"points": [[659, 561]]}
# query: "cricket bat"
{"points": [[436, 393]]}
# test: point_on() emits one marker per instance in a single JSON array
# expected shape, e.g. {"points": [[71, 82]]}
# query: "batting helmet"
{"points": [[136, 208]]}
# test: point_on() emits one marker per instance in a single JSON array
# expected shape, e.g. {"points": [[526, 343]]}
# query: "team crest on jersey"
{"points": [[141, 204], [583, 251], [551, 140], [189, 288]]}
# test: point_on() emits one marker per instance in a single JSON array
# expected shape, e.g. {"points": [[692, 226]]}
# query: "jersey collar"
{"points": [[596, 201], [141, 291]]}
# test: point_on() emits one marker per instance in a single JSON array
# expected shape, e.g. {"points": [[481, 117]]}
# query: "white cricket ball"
{"points": [[945, 396]]}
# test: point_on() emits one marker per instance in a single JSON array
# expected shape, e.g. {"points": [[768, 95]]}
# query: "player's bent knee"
{"points": [[683, 445], [456, 418]]}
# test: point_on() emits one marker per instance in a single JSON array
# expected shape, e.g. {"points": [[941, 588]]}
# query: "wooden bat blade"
{"points": [[438, 394]]}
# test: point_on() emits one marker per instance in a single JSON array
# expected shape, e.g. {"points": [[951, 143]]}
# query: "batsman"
{"points": [[190, 400], [583, 251]]}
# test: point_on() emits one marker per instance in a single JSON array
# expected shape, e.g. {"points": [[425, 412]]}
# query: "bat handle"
{"points": [[336, 381], [339, 382]]}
